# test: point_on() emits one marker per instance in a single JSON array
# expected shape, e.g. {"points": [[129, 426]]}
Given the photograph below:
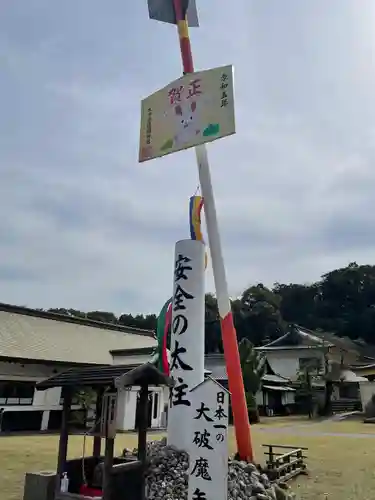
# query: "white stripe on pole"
{"points": [[213, 232]]}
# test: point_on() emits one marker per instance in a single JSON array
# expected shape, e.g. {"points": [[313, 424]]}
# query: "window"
{"points": [[349, 391], [312, 364], [16, 393]]}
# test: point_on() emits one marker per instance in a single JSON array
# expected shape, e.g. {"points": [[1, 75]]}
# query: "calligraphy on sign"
{"points": [[187, 308], [192, 110], [208, 447], [187, 336], [178, 394]]}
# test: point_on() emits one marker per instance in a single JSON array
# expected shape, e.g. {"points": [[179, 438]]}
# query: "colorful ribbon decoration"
{"points": [[165, 316], [195, 210], [162, 327]]}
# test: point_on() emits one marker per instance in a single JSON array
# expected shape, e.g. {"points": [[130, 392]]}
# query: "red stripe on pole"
{"points": [[186, 55], [236, 388]]}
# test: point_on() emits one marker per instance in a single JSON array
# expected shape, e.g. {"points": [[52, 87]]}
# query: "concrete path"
{"points": [[300, 430]]}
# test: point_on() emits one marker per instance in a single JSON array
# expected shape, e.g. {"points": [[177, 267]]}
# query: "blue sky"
{"points": [[84, 225]]}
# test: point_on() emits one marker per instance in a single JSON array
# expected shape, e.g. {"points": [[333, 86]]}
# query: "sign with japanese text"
{"points": [[208, 449], [187, 337], [190, 111]]}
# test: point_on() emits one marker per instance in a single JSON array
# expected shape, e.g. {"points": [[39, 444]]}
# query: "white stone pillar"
{"points": [[187, 337], [45, 421], [130, 409], [208, 443]]}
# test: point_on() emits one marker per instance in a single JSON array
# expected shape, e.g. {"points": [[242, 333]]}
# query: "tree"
{"points": [[346, 301], [212, 342], [85, 398], [147, 322], [298, 303], [253, 365], [68, 312], [103, 316], [261, 317], [341, 302], [306, 377]]}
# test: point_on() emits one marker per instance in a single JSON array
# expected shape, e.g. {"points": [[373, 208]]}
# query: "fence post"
{"points": [[270, 455], [300, 459]]}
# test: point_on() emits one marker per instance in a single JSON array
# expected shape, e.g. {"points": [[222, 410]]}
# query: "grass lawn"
{"points": [[302, 423], [341, 468]]}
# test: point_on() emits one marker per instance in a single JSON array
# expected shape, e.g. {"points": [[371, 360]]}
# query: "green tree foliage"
{"points": [[253, 365], [147, 322], [346, 301], [305, 392], [260, 311], [297, 303], [213, 342], [342, 302]]}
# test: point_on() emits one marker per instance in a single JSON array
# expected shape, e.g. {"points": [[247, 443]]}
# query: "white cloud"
{"points": [[84, 225]]}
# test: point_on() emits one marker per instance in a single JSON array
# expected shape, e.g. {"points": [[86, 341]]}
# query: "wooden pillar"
{"points": [[108, 463], [64, 434], [97, 445], [142, 435], [143, 421]]}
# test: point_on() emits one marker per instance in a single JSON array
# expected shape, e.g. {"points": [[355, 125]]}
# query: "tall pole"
{"points": [[228, 332]]}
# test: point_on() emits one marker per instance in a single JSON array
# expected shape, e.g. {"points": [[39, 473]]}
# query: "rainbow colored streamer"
{"points": [[195, 209]]}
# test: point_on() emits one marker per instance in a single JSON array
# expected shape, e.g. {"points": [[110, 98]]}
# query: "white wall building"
{"points": [[331, 356], [36, 345], [274, 393], [300, 347]]}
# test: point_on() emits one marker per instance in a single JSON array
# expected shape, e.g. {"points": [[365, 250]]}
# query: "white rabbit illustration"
{"points": [[187, 121]]}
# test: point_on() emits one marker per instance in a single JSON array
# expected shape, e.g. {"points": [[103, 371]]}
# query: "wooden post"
{"points": [[64, 435], [97, 445], [108, 463], [271, 456], [143, 420], [142, 434], [300, 459]]}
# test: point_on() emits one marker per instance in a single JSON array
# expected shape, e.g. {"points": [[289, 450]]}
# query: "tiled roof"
{"points": [[28, 334], [274, 378], [299, 337], [119, 376], [363, 350]]}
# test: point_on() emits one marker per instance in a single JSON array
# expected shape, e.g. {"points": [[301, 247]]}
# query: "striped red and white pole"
{"points": [[228, 332]]}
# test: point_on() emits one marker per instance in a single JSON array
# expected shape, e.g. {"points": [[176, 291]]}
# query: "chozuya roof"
{"points": [[27, 334], [112, 376]]}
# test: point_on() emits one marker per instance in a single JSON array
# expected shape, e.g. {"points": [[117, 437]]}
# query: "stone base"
{"points": [[39, 485]]}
